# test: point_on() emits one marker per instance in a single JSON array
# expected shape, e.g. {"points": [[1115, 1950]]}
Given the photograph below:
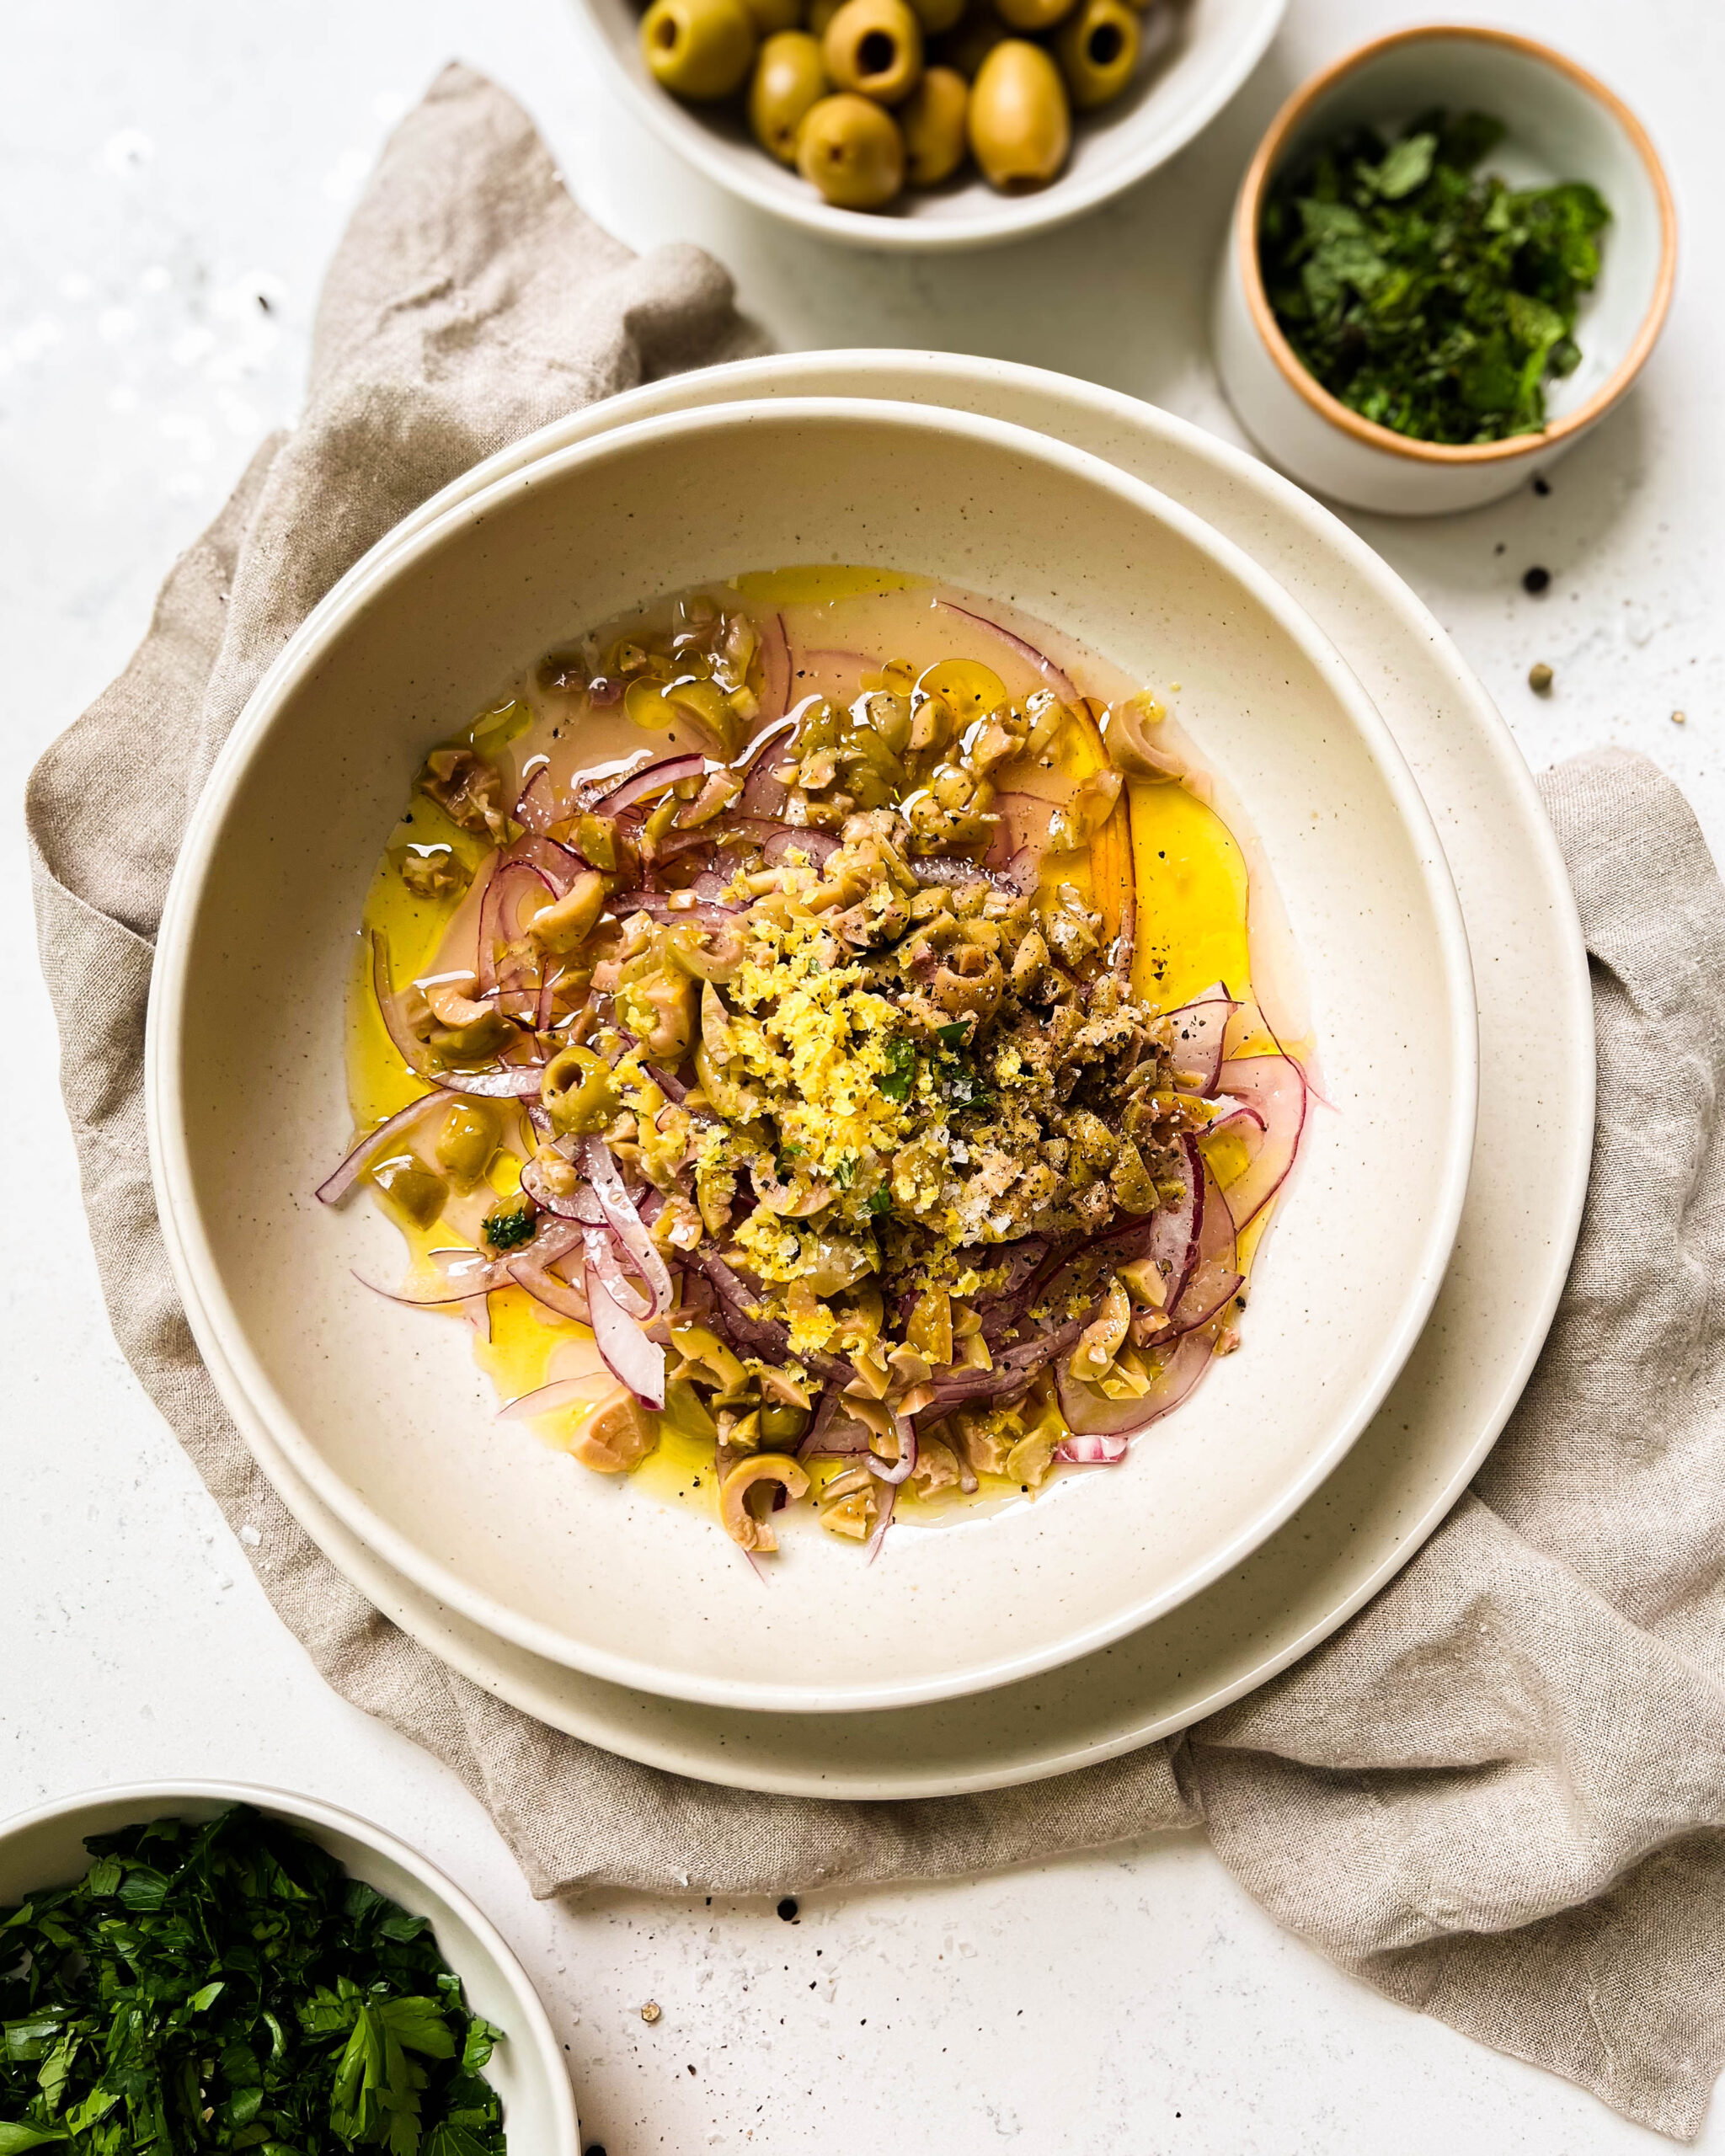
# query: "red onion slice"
{"points": [[559, 865], [1200, 1028], [1060, 681], [1215, 1275], [901, 1469], [654, 778], [1091, 1451], [883, 1522], [514, 1081], [561, 1392], [545, 1286], [335, 1188], [500, 927], [1093, 1414], [763, 796], [469, 1272], [711, 918], [633, 1359], [538, 806], [790, 838], [602, 1260], [1274, 1088], [1177, 1230], [596, 1163]]}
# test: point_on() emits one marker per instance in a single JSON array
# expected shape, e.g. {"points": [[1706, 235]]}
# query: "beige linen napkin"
{"points": [[1499, 1794]]}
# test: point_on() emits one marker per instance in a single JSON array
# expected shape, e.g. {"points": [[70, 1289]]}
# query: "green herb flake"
{"points": [[508, 1226], [1427, 298], [900, 1073], [227, 1986]]}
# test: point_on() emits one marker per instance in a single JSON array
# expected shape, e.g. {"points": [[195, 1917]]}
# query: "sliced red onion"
{"points": [[1092, 1451], [1178, 1232], [714, 919], [559, 865], [901, 1469], [539, 806], [600, 1169], [673, 1089], [1274, 1088], [469, 1272], [1056, 679], [633, 1359], [335, 1188], [1092, 1414], [602, 1261], [546, 1287], [764, 796], [1200, 1029], [514, 1081], [775, 668], [654, 778], [1214, 1277], [499, 919], [562, 1392], [884, 1520], [1012, 1371], [789, 838]]}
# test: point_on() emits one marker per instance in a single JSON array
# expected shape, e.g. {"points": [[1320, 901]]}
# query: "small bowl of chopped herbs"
{"points": [[209, 1967], [1450, 256]]}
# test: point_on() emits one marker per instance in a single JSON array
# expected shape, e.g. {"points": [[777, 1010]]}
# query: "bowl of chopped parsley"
{"points": [[1452, 255], [216, 1967]]}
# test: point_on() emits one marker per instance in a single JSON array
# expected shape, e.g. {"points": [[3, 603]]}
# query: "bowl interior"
{"points": [[1559, 127], [1197, 53], [380, 1409], [46, 1849]]}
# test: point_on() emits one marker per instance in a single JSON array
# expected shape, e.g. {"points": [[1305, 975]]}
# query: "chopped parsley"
{"points": [[1426, 297], [227, 1986], [880, 1201], [508, 1226], [900, 1073]]}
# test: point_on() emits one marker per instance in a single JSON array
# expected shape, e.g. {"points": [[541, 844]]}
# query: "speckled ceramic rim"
{"points": [[1249, 210], [158, 1800], [251, 1397]]}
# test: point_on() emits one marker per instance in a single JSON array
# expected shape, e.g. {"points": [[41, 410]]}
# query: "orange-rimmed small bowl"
{"points": [[1562, 124]]}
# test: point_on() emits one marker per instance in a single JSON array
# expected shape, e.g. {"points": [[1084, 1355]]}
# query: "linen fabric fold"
{"points": [[1499, 1793]]}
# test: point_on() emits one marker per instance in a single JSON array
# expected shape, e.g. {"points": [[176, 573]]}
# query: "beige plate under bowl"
{"points": [[46, 1848], [380, 1411]]}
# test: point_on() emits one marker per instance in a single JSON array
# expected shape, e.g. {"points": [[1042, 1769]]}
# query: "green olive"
{"points": [[578, 1090], [933, 121], [1033, 16], [1019, 123], [468, 1140], [699, 49], [771, 16], [978, 32], [852, 152], [938, 15], [789, 78], [410, 1187], [1098, 48], [874, 47]]}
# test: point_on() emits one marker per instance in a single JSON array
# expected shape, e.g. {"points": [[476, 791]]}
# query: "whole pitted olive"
{"points": [[700, 49], [1097, 46], [932, 118], [1033, 15], [1019, 123], [852, 150], [789, 79], [874, 47]]}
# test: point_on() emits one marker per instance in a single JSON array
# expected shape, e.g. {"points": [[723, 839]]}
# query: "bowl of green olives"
{"points": [[928, 123]]}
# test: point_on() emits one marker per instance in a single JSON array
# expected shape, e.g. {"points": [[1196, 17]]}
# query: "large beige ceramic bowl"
{"points": [[380, 1409]]}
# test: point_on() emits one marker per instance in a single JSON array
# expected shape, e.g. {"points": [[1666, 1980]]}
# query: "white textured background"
{"points": [[173, 177]]}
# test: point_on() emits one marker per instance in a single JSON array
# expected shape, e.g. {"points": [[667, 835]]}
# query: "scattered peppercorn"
{"points": [[1539, 679], [1536, 580], [1542, 485], [787, 1908]]}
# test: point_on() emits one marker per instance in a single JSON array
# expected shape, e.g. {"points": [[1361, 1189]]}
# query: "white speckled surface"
{"points": [[161, 169]]}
